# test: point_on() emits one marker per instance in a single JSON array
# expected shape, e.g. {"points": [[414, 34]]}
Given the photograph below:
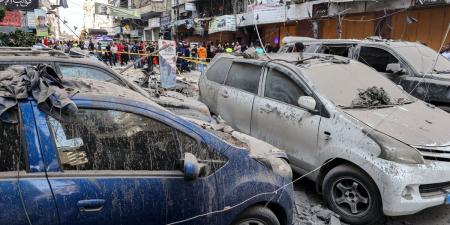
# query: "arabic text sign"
{"points": [[12, 18], [104, 9], [222, 23], [168, 63], [20, 4]]}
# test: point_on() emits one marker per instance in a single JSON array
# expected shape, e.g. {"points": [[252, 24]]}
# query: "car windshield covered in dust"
{"points": [[419, 69], [379, 150]]}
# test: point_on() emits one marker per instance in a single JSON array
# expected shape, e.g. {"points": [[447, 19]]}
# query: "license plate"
{"points": [[447, 199]]}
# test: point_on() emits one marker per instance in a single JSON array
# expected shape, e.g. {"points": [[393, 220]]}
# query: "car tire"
{"points": [[257, 215], [351, 193]]}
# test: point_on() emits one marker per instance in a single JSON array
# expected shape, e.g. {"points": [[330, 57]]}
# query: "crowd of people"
{"points": [[190, 55]]}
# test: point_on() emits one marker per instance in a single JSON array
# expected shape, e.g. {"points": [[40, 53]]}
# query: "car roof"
{"points": [[290, 58], [369, 40], [107, 92], [20, 59]]}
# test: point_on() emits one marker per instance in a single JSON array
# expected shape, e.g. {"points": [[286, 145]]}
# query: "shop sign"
{"points": [[154, 22], [164, 21], [23, 5], [267, 11], [30, 20], [222, 23], [12, 18], [134, 33]]}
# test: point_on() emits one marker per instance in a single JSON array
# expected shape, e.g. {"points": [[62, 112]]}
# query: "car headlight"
{"points": [[395, 150], [279, 166]]}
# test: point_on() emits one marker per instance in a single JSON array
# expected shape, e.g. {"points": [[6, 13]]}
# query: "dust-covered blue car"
{"points": [[122, 159]]}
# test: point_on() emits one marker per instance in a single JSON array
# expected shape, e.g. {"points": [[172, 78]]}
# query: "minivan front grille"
{"points": [[430, 190], [435, 155]]}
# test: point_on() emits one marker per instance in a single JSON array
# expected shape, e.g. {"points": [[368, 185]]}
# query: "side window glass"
{"points": [[340, 50], [11, 149], [376, 58], [213, 159], [218, 72], [73, 71], [244, 76], [282, 88], [113, 140]]}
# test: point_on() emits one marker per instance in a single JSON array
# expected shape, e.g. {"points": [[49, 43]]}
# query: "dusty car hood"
{"points": [[415, 124], [256, 147]]}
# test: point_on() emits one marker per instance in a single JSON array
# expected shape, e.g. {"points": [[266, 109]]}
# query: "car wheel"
{"points": [[353, 195], [257, 215]]}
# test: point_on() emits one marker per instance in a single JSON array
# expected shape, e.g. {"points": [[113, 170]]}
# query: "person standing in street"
{"points": [[202, 54], [114, 51], [108, 55], [125, 56]]}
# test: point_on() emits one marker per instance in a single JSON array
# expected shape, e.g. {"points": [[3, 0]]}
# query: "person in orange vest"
{"points": [[202, 53]]}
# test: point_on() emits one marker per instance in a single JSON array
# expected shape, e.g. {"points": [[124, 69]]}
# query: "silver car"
{"points": [[367, 160]]}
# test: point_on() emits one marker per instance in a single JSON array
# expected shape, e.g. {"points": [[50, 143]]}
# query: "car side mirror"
{"points": [[307, 102], [395, 68], [191, 167]]}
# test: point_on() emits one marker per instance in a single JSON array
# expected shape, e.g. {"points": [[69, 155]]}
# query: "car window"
{"points": [[281, 87], [376, 58], [94, 139], [75, 71], [341, 50], [244, 76], [11, 149], [218, 72]]}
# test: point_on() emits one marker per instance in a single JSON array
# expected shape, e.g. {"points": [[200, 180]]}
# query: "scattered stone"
{"points": [[334, 221]]}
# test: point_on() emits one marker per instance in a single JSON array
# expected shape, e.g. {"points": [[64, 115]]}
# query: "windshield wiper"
{"points": [[365, 106]]}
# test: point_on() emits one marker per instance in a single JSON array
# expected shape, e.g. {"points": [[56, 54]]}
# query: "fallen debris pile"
{"points": [[311, 212], [372, 96]]}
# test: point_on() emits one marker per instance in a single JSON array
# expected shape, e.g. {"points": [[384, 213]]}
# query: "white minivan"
{"points": [[387, 155]]}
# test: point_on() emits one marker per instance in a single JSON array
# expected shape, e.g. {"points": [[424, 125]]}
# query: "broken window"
{"points": [[218, 72], [11, 149], [281, 87], [244, 76], [376, 58], [74, 71], [112, 140], [340, 50]]}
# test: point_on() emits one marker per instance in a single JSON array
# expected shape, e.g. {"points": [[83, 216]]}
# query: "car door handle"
{"points": [[91, 205], [224, 94]]}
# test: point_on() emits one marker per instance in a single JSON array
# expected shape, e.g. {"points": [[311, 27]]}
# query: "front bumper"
{"points": [[408, 189]]}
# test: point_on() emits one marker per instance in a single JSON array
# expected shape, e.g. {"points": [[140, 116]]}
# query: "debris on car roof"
{"points": [[372, 96], [41, 83]]}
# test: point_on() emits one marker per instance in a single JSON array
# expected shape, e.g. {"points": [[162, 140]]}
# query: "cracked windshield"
{"points": [[224, 112]]}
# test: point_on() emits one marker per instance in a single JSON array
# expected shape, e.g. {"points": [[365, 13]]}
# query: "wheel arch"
{"points": [[333, 163], [274, 207]]}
